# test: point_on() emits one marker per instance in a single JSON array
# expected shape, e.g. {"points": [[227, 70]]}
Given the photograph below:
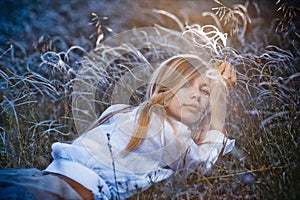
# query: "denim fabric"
{"points": [[32, 184]]}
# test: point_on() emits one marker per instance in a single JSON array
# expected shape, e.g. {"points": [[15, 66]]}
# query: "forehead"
{"points": [[200, 78]]}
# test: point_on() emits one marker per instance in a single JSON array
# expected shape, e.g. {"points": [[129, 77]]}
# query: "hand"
{"points": [[228, 72], [219, 94]]}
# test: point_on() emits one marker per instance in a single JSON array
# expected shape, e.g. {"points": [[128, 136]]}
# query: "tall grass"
{"points": [[36, 88]]}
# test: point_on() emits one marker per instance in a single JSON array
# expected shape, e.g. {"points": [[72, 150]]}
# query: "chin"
{"points": [[190, 122]]}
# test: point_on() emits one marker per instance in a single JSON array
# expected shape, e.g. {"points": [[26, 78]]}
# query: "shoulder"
{"points": [[113, 108]]}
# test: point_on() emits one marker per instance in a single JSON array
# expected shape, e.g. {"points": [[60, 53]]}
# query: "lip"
{"points": [[195, 106]]}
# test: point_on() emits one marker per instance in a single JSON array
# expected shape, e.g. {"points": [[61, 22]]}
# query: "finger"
{"points": [[233, 76], [222, 67], [227, 71]]}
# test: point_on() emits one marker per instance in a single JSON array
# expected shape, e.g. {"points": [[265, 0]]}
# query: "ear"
{"points": [[167, 100]]}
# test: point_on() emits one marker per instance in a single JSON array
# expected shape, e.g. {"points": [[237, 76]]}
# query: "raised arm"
{"points": [[219, 94], [215, 119]]}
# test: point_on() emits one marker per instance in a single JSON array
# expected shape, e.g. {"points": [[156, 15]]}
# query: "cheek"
{"points": [[205, 102], [172, 103], [174, 107], [176, 100]]}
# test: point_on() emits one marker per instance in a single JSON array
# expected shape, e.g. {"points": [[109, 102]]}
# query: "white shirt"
{"points": [[96, 161]]}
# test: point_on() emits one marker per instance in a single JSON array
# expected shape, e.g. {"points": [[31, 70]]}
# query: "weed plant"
{"points": [[37, 80]]}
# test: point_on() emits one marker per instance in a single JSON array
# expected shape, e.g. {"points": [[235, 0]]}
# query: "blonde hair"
{"points": [[167, 79]]}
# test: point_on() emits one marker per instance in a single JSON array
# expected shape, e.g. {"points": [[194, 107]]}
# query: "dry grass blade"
{"points": [[37, 85]]}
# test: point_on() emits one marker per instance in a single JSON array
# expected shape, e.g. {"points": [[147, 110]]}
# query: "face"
{"points": [[190, 102]]}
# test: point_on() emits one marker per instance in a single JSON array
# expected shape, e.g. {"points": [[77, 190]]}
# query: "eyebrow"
{"points": [[204, 85]]}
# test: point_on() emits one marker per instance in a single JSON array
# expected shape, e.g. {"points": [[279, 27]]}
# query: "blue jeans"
{"points": [[33, 184]]}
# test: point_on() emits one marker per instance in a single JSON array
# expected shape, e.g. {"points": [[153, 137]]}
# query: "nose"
{"points": [[196, 95]]}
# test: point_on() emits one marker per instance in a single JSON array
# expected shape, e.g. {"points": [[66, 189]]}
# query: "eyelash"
{"points": [[206, 92]]}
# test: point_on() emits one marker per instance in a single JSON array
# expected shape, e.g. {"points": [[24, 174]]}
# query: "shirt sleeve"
{"points": [[205, 155]]}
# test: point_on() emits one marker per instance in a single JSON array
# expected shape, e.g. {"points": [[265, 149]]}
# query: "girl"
{"points": [[178, 127]]}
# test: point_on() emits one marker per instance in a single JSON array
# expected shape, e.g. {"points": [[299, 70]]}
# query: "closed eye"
{"points": [[205, 91]]}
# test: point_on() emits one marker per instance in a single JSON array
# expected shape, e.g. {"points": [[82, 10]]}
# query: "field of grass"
{"points": [[42, 44]]}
